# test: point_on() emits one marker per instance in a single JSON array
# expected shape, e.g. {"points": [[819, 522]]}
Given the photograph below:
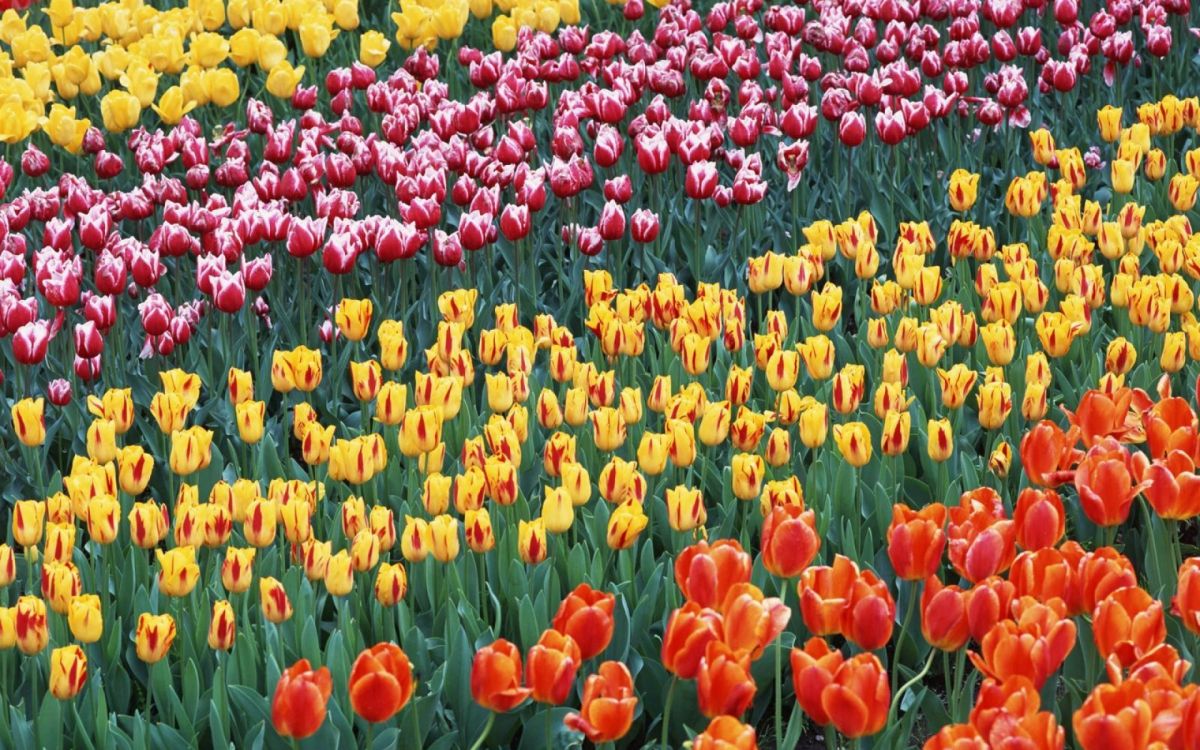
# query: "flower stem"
{"points": [[487, 728], [666, 727]]}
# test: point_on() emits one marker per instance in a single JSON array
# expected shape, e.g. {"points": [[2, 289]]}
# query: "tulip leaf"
{"points": [[545, 729], [49, 723], [249, 709]]}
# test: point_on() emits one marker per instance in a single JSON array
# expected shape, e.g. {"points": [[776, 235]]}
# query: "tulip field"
{"points": [[549, 374]]}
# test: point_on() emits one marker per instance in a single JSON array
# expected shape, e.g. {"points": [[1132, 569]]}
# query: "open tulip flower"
{"points": [[537, 373]]}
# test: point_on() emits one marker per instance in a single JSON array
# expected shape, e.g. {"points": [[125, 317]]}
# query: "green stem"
{"points": [[915, 679], [910, 605], [666, 730], [830, 737], [779, 676], [487, 728]]}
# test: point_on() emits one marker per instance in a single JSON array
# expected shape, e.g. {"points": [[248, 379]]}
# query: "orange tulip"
{"points": [[1119, 415], [1127, 624], [857, 698], [381, 682], [944, 623], [1186, 603], [550, 667], [705, 572], [813, 668], [982, 542], [1105, 480], [1039, 518], [998, 702], [824, 590], [496, 677], [726, 733], [1097, 575], [1048, 453], [298, 708], [724, 685], [751, 620], [956, 737], [1173, 487], [1045, 574], [690, 629], [606, 711], [1133, 714], [916, 540], [1033, 646], [870, 612], [789, 540], [988, 602], [587, 616]]}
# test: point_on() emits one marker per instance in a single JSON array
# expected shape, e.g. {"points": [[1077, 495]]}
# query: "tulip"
{"points": [[531, 541], [276, 606], [68, 672], [789, 541], [963, 189], [916, 541], [627, 521], [155, 634], [944, 623], [178, 571], [726, 733], [222, 627], [706, 573], [381, 682], [857, 698], [854, 443], [824, 591], [444, 533], [551, 667], [496, 677], [85, 619], [724, 684], [1105, 482], [29, 422], [1039, 518], [1127, 624], [298, 706], [1032, 646], [391, 583]]}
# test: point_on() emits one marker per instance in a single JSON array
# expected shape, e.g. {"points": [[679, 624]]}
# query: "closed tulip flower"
{"points": [[1106, 484], [854, 443], [28, 421], [916, 540], [85, 619], [68, 672], [824, 591], [178, 571], [276, 606], [444, 532], [869, 613], [1039, 518], [705, 573], [28, 522], [626, 523], [1127, 624], [608, 704], [155, 634], [250, 415], [689, 631], [299, 703], [748, 470], [944, 623], [995, 404], [587, 616], [964, 187], [531, 542], [8, 565], [685, 508], [381, 682], [857, 698], [496, 677], [353, 318], [391, 583], [147, 524], [789, 540], [135, 467], [551, 666], [726, 733], [813, 668], [222, 626], [724, 685]]}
